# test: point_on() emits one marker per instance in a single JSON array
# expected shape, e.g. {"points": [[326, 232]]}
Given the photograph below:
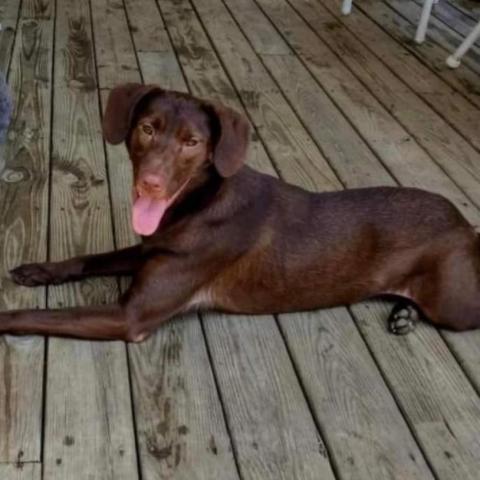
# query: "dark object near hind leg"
{"points": [[403, 318]]}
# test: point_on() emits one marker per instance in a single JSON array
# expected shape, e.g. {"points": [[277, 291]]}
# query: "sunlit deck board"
{"points": [[180, 426], [24, 225], [88, 415]]}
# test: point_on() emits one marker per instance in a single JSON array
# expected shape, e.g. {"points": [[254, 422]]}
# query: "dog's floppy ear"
{"points": [[231, 146], [120, 107]]}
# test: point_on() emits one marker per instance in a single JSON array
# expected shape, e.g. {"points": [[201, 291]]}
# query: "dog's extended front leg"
{"points": [[119, 262], [163, 287], [110, 322]]}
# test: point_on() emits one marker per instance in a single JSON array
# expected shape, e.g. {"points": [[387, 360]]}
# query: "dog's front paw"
{"points": [[403, 319], [33, 274]]}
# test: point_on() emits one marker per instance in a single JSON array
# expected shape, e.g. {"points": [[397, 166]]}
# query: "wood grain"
{"points": [[115, 56], [89, 426], [449, 150], [394, 144], [180, 425], [409, 170], [343, 426], [469, 8], [442, 407], [283, 135], [453, 17], [453, 108], [463, 447], [353, 406], [438, 31], [147, 27], [25, 471], [404, 160], [9, 11], [89, 430], [162, 68], [250, 459], [430, 54], [466, 348], [298, 451], [273, 433], [39, 9], [23, 234]]}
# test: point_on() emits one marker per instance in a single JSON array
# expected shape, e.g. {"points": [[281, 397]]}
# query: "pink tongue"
{"points": [[147, 213]]}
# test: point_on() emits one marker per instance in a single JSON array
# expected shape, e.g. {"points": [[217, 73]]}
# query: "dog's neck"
{"points": [[201, 192]]}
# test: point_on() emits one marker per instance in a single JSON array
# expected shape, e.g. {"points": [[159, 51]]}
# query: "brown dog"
{"points": [[219, 235]]}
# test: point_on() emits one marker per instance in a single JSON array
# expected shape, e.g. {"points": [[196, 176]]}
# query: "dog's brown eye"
{"points": [[191, 142], [147, 129]]}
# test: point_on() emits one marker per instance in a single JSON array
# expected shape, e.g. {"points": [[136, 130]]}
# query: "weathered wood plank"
{"points": [[22, 471], [9, 11], [363, 449], [465, 346], [438, 32], [147, 26], [116, 62], [443, 408], [291, 454], [377, 122], [245, 456], [23, 234], [7, 36], [410, 172], [88, 425], [9, 14], [432, 55], [441, 98], [453, 17], [469, 8], [464, 446], [162, 68], [88, 413], [180, 423], [351, 402], [278, 127], [359, 451], [38, 9], [273, 433], [180, 426], [403, 158]]}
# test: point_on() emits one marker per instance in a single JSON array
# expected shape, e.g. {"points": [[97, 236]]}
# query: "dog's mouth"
{"points": [[149, 210]]}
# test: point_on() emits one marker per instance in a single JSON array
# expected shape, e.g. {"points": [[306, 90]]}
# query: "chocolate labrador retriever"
{"points": [[218, 235]]}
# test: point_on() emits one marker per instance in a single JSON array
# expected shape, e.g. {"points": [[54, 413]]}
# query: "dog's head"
{"points": [[173, 139]]}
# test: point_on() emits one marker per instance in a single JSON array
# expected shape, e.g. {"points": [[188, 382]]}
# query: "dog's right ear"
{"points": [[121, 105]]}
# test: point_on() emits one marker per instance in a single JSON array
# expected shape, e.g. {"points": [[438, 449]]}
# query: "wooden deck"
{"points": [[335, 102]]}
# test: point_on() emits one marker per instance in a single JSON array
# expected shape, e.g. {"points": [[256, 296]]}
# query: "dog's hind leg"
{"points": [[450, 296]]}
